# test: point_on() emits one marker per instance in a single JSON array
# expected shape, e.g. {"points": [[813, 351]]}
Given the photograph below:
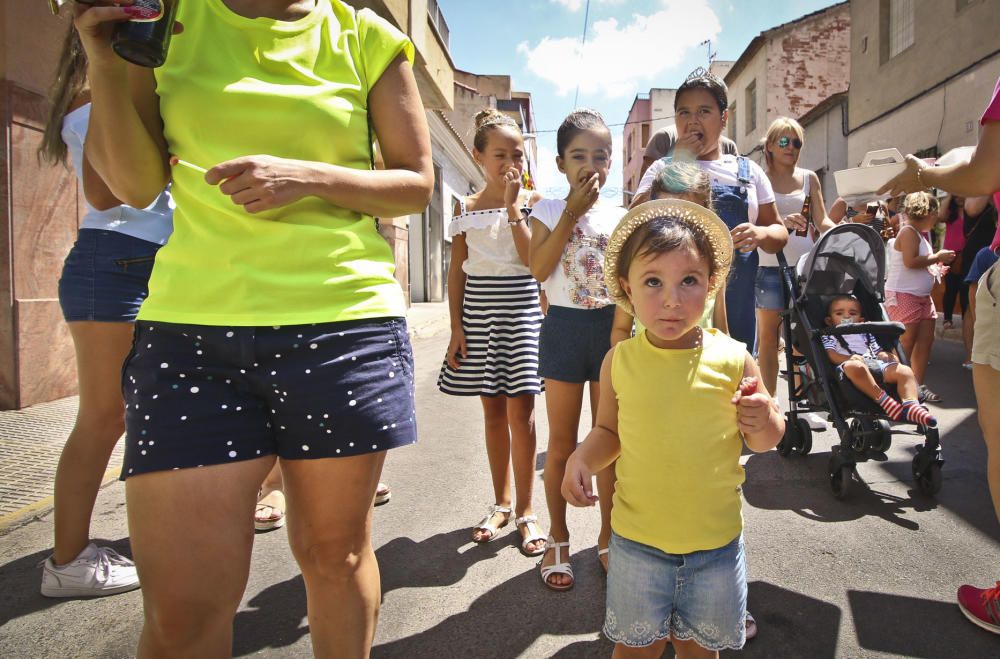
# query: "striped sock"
{"points": [[914, 412], [891, 406]]}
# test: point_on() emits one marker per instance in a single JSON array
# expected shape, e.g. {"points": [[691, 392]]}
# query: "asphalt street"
{"points": [[872, 576]]}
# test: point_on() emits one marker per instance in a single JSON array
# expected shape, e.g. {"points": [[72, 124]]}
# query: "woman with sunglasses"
{"points": [[799, 197]]}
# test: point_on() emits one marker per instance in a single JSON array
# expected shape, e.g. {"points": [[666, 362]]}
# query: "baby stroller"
{"points": [[847, 260]]}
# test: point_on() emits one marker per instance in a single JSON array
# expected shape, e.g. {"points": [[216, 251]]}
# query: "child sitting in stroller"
{"points": [[861, 360]]}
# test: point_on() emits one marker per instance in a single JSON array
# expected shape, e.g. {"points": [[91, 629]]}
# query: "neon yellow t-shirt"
{"points": [[234, 86], [679, 472]]}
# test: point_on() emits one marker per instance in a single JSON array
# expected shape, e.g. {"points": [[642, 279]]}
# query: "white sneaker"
{"points": [[96, 572]]}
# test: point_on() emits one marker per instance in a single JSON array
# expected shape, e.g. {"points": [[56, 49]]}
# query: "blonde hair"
{"points": [[486, 120], [71, 80], [919, 205], [683, 178], [777, 127]]}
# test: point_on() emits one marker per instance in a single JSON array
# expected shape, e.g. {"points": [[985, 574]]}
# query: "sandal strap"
{"points": [[535, 534], [484, 524], [602, 552]]}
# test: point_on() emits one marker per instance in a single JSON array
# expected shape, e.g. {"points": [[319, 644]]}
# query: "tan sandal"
{"points": [[277, 517]]}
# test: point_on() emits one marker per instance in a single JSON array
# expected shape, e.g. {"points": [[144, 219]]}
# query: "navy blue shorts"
{"points": [[199, 395], [573, 343], [105, 276], [769, 288]]}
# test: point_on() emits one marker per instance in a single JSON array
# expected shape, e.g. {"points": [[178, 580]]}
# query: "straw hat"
{"points": [[699, 218]]}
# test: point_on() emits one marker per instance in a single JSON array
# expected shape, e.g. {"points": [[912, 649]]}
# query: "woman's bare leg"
{"points": [[329, 529], [101, 349], [192, 535]]}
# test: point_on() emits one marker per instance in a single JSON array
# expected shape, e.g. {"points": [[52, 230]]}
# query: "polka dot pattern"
{"points": [[295, 391]]}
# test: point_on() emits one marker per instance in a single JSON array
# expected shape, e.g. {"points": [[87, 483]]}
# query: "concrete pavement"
{"points": [[871, 576]]}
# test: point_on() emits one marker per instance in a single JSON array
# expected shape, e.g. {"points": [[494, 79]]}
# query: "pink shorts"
{"points": [[907, 308]]}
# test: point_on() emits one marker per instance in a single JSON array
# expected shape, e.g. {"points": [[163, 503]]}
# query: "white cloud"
{"points": [[619, 59]]}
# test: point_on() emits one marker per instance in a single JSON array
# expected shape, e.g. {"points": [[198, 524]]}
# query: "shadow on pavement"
{"points": [[437, 560], [911, 627], [790, 624], [274, 618], [22, 578], [808, 494], [505, 621]]}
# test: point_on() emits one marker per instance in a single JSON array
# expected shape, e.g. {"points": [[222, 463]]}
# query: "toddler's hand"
{"points": [[753, 408], [576, 486]]}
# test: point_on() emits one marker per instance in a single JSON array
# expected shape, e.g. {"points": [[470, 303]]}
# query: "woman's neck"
{"points": [[780, 170], [279, 10]]}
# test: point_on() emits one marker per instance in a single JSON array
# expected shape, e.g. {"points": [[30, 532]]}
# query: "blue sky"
{"points": [[632, 45]]}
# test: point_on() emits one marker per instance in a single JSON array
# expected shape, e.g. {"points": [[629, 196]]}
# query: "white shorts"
{"points": [[986, 340]]}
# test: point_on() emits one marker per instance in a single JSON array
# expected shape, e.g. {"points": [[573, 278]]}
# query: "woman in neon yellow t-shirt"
{"points": [[274, 326]]}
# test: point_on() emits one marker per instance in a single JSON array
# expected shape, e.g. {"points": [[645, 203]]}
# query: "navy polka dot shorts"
{"points": [[199, 395]]}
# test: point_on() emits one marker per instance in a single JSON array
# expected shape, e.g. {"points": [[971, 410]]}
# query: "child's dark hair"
{"points": [[702, 79], [840, 298], [487, 120], [661, 235], [577, 122]]}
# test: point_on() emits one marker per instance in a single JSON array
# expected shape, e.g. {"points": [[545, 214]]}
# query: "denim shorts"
{"points": [[573, 343], [105, 276], [197, 395], [701, 596], [768, 288]]}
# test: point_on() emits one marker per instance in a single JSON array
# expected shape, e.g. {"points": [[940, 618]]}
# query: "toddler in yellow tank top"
{"points": [[677, 403]]}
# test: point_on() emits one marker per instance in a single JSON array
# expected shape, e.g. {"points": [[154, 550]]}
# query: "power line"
{"points": [[583, 44]]}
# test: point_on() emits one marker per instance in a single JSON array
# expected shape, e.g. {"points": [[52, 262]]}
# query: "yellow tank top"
{"points": [[679, 473], [234, 86]]}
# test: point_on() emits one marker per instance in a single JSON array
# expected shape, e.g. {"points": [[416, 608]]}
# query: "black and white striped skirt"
{"points": [[501, 318]]}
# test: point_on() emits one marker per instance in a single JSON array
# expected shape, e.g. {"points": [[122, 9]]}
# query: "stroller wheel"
{"points": [[929, 478], [792, 437], [840, 478], [805, 434], [885, 435]]}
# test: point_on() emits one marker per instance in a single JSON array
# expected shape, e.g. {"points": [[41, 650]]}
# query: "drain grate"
{"points": [[31, 441]]}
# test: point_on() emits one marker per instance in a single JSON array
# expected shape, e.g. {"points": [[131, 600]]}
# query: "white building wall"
{"points": [[825, 149], [946, 117], [661, 108]]}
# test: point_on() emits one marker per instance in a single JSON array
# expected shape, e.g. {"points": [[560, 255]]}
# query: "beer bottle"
{"points": [[806, 213], [144, 39]]}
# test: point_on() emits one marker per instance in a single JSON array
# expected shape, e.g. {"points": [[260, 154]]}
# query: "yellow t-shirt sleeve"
{"points": [[380, 44]]}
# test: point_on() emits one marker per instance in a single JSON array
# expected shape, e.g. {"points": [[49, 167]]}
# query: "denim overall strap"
{"points": [[730, 202]]}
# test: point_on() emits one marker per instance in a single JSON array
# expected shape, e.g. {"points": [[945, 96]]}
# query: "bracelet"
{"points": [[519, 220], [920, 181], [570, 213]]}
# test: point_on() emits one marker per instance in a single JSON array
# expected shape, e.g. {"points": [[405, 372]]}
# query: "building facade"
{"points": [[921, 74], [634, 138], [787, 71], [825, 148]]}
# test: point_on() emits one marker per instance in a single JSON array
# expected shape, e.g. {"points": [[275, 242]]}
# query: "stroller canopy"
{"points": [[845, 257]]}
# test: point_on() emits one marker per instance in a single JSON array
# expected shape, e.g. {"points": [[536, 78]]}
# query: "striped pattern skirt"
{"points": [[501, 318]]}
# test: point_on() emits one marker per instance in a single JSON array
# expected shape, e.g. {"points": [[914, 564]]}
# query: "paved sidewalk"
{"points": [[32, 439]]}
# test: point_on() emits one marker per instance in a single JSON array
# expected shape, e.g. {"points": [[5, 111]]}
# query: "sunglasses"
{"points": [[785, 141]]}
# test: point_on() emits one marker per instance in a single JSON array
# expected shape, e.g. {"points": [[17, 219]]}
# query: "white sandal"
{"points": [[558, 567], [604, 552], [534, 534], [492, 529]]}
